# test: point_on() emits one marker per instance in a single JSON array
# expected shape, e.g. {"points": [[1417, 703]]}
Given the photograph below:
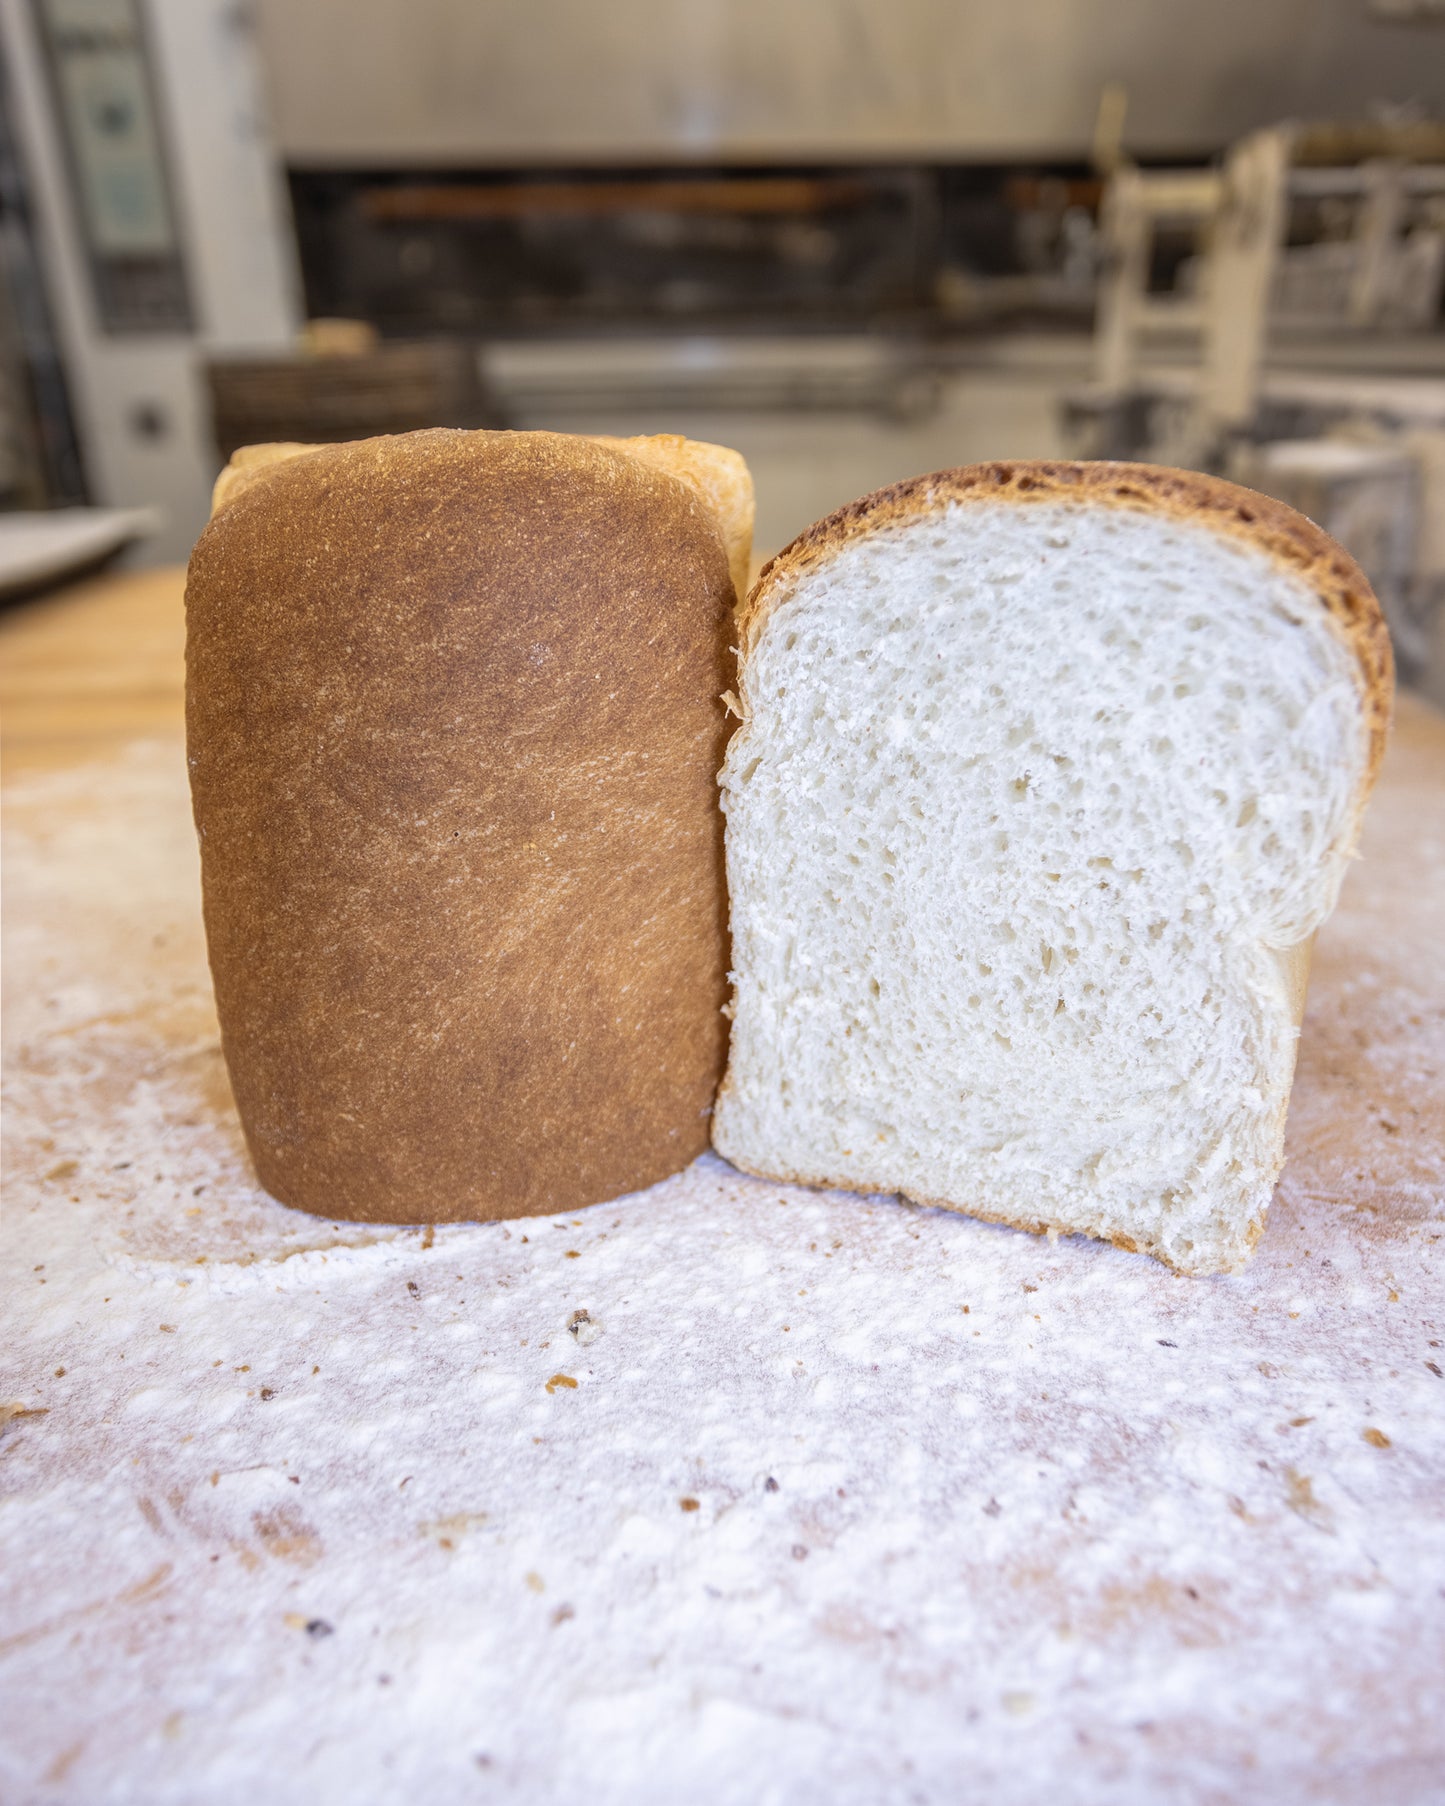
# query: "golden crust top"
{"points": [[250, 465], [718, 475]]}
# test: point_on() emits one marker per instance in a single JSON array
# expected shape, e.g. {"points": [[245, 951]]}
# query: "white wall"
{"points": [[458, 81]]}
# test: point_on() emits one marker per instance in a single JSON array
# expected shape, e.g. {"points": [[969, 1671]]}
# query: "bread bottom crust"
{"points": [[1030, 1225], [274, 1178]]}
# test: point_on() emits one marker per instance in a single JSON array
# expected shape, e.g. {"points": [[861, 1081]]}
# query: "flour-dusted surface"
{"points": [[831, 1499]]}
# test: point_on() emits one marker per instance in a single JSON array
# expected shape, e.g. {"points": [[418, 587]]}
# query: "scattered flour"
{"points": [[852, 1502]]}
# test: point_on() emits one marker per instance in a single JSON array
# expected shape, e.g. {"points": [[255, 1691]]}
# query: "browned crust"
{"points": [[251, 464], [718, 474], [1292, 541], [454, 724]]}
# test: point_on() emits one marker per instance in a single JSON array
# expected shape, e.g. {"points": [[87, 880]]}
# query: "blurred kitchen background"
{"points": [[856, 239]]}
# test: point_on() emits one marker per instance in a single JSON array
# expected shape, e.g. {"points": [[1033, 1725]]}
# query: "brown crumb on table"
{"points": [[286, 1535], [1376, 1438], [12, 1413], [561, 1379], [63, 1764], [1301, 1499], [689, 1505]]}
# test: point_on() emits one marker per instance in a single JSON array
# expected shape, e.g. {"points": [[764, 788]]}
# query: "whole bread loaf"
{"points": [[454, 725], [1046, 777]]}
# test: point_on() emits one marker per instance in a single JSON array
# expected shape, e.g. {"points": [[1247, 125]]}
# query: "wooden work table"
{"points": [[86, 670], [835, 1498]]}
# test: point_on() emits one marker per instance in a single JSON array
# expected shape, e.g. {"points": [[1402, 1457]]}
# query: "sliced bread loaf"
{"points": [[1046, 777]]}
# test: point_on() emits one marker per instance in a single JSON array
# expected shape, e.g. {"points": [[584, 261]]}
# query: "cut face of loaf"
{"points": [[1047, 775], [454, 722]]}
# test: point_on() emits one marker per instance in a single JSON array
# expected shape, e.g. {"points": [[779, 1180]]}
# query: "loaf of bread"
{"points": [[1047, 775], [454, 723]]}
